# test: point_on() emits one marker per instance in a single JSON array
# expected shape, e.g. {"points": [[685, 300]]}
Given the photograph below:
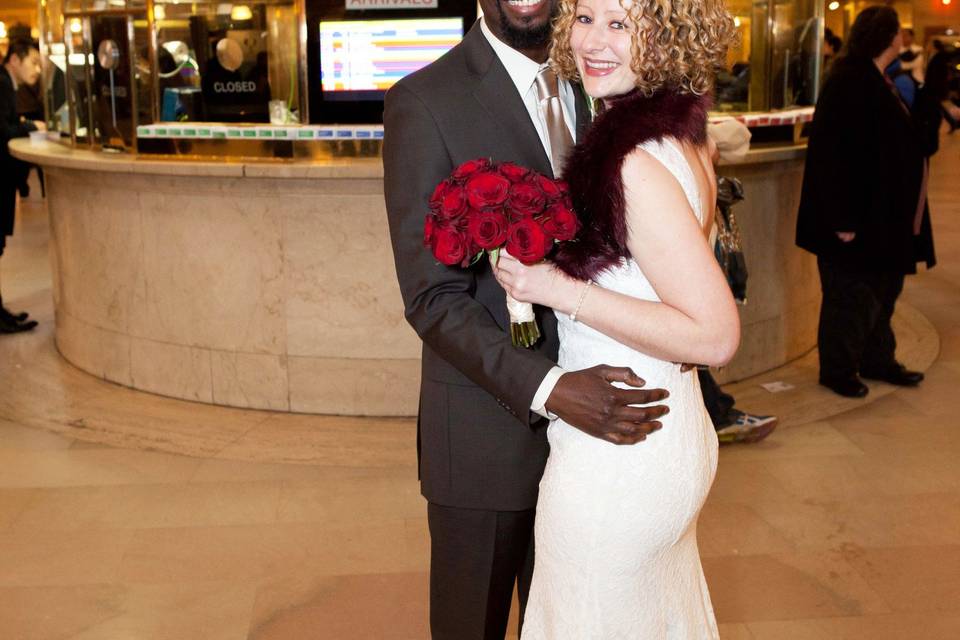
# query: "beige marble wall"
{"points": [[273, 286], [779, 321], [265, 293]]}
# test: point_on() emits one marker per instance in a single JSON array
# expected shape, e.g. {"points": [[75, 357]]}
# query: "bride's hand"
{"points": [[541, 283]]}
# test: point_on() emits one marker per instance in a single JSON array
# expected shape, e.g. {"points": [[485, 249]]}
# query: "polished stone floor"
{"points": [[128, 516]]}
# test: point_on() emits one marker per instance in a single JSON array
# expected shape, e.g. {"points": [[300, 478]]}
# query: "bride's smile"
{"points": [[601, 44]]}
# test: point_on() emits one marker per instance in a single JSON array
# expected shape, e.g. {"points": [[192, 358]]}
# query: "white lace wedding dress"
{"points": [[616, 545]]}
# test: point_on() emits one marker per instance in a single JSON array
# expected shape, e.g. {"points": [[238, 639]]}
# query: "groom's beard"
{"points": [[520, 38]]}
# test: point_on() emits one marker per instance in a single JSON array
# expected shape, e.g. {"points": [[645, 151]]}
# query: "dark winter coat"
{"points": [[863, 174]]}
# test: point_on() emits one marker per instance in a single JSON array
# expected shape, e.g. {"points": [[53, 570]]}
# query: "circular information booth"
{"points": [[215, 193], [272, 286]]}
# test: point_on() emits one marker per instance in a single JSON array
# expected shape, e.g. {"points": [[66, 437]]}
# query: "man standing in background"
{"points": [[21, 65]]}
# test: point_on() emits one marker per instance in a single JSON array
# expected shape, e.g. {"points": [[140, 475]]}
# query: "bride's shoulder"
{"points": [[647, 168]]}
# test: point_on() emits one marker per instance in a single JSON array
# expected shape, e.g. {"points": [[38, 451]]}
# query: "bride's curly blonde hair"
{"points": [[675, 43]]}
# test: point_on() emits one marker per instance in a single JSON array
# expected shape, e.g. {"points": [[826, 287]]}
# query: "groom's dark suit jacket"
{"points": [[480, 445]]}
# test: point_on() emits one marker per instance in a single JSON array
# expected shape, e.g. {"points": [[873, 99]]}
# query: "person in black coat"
{"points": [[21, 65], [863, 208]]}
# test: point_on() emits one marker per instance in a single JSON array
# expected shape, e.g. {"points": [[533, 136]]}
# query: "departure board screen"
{"points": [[361, 59]]}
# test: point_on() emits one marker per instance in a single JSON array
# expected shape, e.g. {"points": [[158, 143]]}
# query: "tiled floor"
{"points": [[844, 524]]}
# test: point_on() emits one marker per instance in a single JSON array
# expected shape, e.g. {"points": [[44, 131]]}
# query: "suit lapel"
{"points": [[497, 94]]}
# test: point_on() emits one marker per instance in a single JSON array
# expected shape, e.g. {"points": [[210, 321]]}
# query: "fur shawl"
{"points": [[593, 171]]}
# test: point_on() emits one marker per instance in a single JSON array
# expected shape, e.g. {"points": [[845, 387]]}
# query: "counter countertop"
{"points": [[53, 154]]}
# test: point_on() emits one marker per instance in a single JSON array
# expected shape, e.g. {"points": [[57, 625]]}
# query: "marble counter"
{"points": [[268, 286], [779, 321], [271, 285]]}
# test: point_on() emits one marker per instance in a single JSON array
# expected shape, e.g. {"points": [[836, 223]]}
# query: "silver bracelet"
{"points": [[583, 294]]}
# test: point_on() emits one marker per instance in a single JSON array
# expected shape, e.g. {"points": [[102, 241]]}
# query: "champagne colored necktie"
{"points": [[548, 92]]}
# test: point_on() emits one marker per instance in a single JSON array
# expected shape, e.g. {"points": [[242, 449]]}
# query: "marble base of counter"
{"points": [[262, 293]]}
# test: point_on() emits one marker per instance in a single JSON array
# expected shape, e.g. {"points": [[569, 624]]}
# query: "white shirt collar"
{"points": [[521, 69]]}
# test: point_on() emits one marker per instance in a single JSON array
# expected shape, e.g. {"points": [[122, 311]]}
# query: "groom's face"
{"points": [[522, 24]]}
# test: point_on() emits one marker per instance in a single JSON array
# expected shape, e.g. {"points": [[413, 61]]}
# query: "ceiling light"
{"points": [[76, 26], [241, 12], [159, 13], [833, 6], [736, 21]]}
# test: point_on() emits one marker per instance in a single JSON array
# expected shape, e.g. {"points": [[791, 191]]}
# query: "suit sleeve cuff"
{"points": [[539, 404]]}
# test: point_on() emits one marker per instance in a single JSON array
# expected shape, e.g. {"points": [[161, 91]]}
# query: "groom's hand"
{"points": [[587, 400]]}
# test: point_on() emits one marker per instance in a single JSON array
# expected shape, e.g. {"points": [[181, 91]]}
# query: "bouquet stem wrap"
{"points": [[524, 331]]}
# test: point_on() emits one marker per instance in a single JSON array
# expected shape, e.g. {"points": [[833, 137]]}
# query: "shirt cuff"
{"points": [[539, 405]]}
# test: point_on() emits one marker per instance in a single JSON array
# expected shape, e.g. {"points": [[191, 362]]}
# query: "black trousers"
{"points": [[8, 207], [719, 403], [476, 558], [855, 333]]}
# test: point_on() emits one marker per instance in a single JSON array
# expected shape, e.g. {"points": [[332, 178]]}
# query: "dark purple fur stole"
{"points": [[593, 171]]}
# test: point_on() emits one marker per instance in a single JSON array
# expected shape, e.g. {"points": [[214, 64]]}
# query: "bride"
{"points": [[615, 528]]}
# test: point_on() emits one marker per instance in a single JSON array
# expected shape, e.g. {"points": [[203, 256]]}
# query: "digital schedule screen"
{"points": [[361, 59]]}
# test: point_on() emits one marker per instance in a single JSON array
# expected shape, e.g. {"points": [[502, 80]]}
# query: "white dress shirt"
{"points": [[523, 71]]}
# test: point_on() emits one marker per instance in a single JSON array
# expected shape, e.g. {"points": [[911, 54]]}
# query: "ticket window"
{"points": [[776, 62], [221, 62]]}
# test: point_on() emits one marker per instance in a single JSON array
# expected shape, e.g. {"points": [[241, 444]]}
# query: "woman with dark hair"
{"points": [[863, 208]]}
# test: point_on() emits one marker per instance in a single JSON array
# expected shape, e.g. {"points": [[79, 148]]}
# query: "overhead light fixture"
{"points": [[736, 21], [76, 26], [833, 6], [159, 13], [945, 2], [241, 12]]}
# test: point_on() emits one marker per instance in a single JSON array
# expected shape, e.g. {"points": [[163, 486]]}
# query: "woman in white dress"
{"points": [[615, 532]]}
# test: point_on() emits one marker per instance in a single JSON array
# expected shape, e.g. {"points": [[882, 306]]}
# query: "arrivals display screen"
{"points": [[361, 59]]}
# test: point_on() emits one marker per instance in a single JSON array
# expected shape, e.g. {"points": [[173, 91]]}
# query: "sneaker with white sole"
{"points": [[746, 428]]}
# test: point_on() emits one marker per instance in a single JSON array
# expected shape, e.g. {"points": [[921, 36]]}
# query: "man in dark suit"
{"points": [[481, 427], [21, 65]]}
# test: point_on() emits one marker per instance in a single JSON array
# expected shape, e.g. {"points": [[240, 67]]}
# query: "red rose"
{"points": [[488, 229], [487, 190], [525, 200], [469, 168], [429, 225], [449, 245], [527, 241], [453, 204], [437, 196], [561, 222], [550, 188], [514, 172], [565, 196]]}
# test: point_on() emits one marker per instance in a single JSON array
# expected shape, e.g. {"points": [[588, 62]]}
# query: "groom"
{"points": [[481, 427]]}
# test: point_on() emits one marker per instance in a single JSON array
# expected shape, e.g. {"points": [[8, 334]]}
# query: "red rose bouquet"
{"points": [[485, 207]]}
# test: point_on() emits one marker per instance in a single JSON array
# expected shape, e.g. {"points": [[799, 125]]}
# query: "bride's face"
{"points": [[600, 40]]}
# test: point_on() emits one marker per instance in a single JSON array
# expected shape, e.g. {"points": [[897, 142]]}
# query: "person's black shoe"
{"points": [[898, 375], [6, 314], [6, 326], [850, 387]]}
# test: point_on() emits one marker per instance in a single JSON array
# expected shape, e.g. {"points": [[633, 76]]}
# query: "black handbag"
{"points": [[727, 248]]}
